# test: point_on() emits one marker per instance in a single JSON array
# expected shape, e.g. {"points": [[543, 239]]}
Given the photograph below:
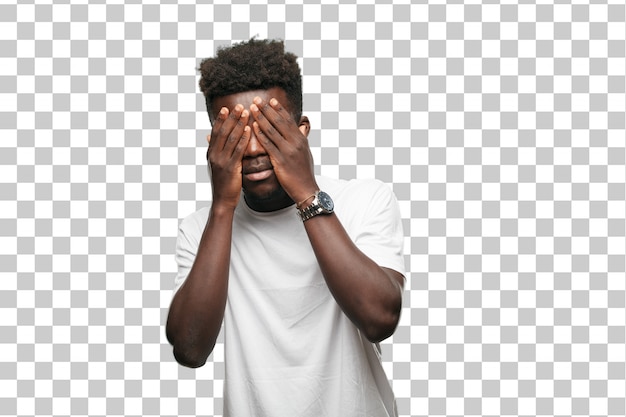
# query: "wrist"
{"points": [[221, 209], [305, 194], [306, 201]]}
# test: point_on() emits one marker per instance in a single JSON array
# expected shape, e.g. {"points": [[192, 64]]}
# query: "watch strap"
{"points": [[310, 212], [312, 209]]}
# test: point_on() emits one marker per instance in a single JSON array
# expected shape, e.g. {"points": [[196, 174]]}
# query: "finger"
{"points": [[217, 125], [265, 126], [282, 119], [208, 140], [241, 146], [236, 113], [265, 142], [237, 132], [224, 130], [245, 117], [231, 124]]}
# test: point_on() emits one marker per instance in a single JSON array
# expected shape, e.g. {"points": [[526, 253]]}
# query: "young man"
{"points": [[304, 272]]}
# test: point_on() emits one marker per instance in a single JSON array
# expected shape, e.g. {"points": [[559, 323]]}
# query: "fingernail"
{"points": [[257, 100], [244, 113], [238, 107], [253, 107], [223, 110], [273, 102]]}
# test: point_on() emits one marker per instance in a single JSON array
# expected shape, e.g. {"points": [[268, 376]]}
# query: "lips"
{"points": [[257, 170]]}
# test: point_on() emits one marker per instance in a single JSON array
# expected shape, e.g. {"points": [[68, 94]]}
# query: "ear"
{"points": [[304, 126]]}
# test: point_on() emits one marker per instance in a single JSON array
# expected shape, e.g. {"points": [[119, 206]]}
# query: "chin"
{"points": [[262, 190], [265, 193]]}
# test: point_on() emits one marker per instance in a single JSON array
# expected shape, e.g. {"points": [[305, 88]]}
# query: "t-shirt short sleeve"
{"points": [[378, 232], [189, 234]]}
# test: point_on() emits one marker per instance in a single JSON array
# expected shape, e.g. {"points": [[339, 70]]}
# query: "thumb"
{"points": [[208, 139]]}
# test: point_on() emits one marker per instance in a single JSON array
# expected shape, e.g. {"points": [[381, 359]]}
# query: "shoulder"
{"points": [[361, 201], [371, 190], [369, 185], [194, 223]]}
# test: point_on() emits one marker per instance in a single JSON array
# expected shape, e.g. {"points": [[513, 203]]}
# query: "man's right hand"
{"points": [[197, 309], [227, 143]]}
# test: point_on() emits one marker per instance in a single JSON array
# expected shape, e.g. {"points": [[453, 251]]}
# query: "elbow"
{"points": [[383, 318], [376, 334], [382, 327], [384, 312], [189, 360], [187, 356]]}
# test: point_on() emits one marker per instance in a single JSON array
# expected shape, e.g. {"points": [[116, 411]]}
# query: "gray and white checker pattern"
{"points": [[501, 129]]}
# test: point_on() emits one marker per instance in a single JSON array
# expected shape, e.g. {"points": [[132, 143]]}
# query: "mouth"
{"points": [[259, 175], [258, 172]]}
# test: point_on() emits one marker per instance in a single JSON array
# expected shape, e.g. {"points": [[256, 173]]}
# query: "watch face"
{"points": [[325, 201]]}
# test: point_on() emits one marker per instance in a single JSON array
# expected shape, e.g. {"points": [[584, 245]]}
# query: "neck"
{"points": [[276, 201]]}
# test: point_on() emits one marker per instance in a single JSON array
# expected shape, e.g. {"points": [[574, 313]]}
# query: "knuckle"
{"points": [[232, 137], [241, 146], [265, 141], [221, 131], [292, 152], [213, 159], [271, 130]]}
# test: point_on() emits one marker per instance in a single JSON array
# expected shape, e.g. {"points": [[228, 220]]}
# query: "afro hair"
{"points": [[252, 65]]}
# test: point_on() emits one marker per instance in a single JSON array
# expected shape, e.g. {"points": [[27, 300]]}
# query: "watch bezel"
{"points": [[325, 202], [321, 204]]}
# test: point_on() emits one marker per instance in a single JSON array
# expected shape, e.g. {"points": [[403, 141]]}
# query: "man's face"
{"points": [[258, 178]]}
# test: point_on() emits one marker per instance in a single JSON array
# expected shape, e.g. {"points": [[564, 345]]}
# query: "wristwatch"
{"points": [[321, 204]]}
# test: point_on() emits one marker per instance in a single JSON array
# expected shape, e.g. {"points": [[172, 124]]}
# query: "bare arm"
{"points": [[371, 296], [197, 309]]}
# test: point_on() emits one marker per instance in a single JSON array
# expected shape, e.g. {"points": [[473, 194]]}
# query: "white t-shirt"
{"points": [[289, 348]]}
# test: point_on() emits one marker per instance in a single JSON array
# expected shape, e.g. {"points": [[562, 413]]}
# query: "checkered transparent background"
{"points": [[501, 129]]}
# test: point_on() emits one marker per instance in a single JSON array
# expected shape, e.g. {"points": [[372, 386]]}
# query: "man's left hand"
{"points": [[287, 146]]}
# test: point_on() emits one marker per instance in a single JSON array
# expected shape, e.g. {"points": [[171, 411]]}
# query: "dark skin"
{"points": [[257, 146]]}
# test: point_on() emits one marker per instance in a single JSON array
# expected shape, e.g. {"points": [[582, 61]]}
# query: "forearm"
{"points": [[369, 295], [197, 310]]}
